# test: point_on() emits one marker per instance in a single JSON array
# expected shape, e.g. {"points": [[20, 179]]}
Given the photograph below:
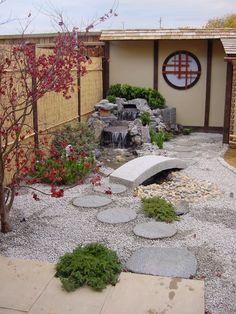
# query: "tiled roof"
{"points": [[178, 33], [229, 45]]}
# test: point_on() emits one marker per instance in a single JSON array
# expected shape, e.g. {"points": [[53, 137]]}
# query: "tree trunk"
{"points": [[4, 212]]}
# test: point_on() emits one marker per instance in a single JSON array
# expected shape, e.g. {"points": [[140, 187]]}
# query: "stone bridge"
{"points": [[138, 170]]}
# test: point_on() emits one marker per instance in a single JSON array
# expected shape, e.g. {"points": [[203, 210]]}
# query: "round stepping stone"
{"points": [[183, 148], [169, 262], [155, 230], [115, 188], [91, 201], [182, 208], [116, 215]]}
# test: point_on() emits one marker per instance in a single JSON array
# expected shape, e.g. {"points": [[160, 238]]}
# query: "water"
{"points": [[117, 136], [128, 114]]}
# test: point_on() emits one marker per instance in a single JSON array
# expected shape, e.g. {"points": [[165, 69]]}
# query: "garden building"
{"points": [[194, 69]]}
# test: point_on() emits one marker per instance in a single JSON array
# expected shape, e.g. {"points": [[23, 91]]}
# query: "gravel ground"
{"points": [[48, 228]]}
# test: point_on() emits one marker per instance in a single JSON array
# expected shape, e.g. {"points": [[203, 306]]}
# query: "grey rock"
{"points": [[116, 215], [169, 262], [137, 140], [141, 104], [155, 230], [145, 134], [91, 201], [120, 101], [182, 208], [105, 105], [97, 126], [169, 115], [156, 112]]}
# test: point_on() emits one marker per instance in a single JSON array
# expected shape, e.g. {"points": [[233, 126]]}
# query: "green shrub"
{"points": [[187, 131], [93, 264], [157, 138], [168, 136], [153, 97], [145, 118], [111, 99], [114, 90], [80, 137], [159, 209]]}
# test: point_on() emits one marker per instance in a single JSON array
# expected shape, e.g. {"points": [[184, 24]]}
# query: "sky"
{"points": [[131, 13]]}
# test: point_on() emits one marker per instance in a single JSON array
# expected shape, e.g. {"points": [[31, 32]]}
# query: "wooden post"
{"points": [[105, 68], [155, 63], [208, 84], [228, 97]]}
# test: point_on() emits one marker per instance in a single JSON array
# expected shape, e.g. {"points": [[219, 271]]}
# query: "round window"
{"points": [[181, 69]]}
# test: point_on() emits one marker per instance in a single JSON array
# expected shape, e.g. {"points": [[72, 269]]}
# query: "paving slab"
{"points": [[116, 215], [138, 170], [139, 294], [55, 300], [169, 262], [6, 311], [155, 230], [114, 188], [24, 281], [91, 201]]}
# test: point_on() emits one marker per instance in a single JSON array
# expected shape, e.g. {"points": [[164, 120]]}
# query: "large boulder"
{"points": [[141, 104], [97, 126]]}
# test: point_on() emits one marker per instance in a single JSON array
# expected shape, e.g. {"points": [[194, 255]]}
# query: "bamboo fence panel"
{"points": [[91, 86]]}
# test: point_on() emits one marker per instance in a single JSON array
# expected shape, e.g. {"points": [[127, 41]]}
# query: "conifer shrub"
{"points": [[93, 265], [159, 209]]}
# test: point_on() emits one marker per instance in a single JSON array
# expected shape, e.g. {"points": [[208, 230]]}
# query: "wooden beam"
{"points": [[208, 84], [105, 68], [155, 63], [228, 97]]}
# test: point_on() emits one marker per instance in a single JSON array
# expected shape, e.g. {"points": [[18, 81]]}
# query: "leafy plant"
{"points": [[153, 97], [187, 131], [111, 99], [159, 209], [93, 264], [62, 170], [80, 137], [145, 118], [157, 138]]}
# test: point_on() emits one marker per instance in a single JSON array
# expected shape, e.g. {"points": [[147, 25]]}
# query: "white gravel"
{"points": [[54, 226]]}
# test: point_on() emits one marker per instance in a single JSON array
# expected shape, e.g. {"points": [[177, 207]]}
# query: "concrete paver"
{"points": [[22, 282], [55, 300], [139, 294], [28, 287]]}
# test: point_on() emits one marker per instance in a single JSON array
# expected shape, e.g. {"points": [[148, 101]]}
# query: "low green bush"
{"points": [[111, 99], [93, 265], [159, 209], [145, 118], [187, 131], [153, 97]]}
